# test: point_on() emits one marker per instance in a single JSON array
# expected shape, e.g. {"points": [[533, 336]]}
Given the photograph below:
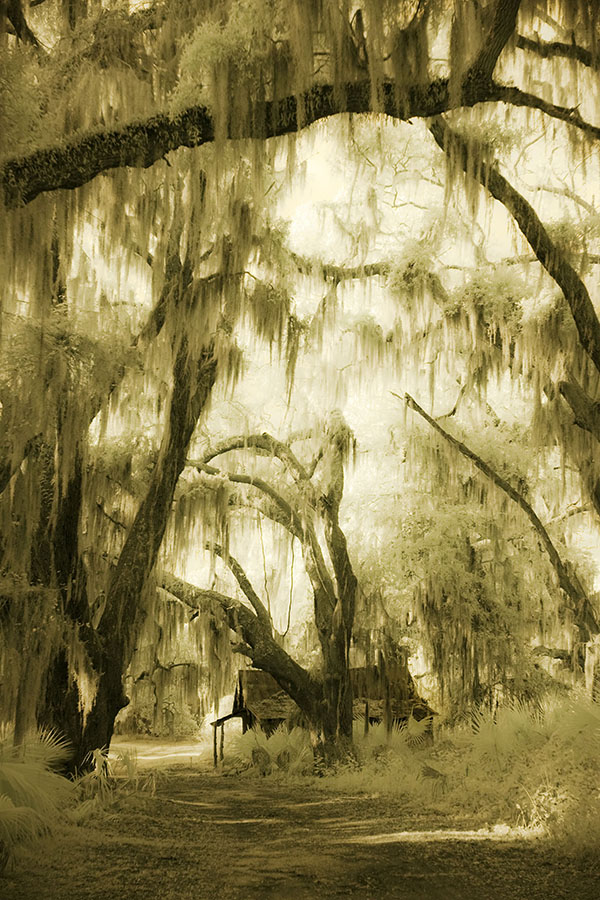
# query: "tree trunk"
{"points": [[119, 627]]}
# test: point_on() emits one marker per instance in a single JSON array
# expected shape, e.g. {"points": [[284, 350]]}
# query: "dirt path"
{"points": [[204, 837]]}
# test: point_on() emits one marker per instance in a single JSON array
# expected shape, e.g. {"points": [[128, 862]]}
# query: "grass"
{"points": [[533, 767]]}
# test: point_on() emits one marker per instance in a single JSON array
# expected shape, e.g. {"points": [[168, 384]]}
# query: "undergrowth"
{"points": [[33, 797], [108, 783], [534, 767]]}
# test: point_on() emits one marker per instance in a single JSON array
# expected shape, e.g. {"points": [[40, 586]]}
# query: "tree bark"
{"points": [[118, 629], [586, 411], [555, 263]]}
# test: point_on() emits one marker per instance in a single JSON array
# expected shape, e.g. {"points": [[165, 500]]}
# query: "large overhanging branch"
{"points": [[244, 582], [140, 144], [203, 601], [553, 49], [257, 642], [329, 272], [549, 255], [584, 614]]}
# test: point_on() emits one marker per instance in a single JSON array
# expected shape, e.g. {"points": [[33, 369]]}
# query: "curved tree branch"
{"points": [[244, 582], [584, 614], [264, 442], [552, 259], [328, 271], [281, 512], [260, 484]]}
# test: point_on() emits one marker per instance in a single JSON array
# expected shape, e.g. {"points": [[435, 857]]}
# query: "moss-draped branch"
{"points": [[550, 256], [257, 643], [579, 603], [141, 144]]}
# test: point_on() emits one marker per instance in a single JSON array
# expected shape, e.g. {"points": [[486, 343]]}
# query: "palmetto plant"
{"points": [[109, 780], [32, 794]]}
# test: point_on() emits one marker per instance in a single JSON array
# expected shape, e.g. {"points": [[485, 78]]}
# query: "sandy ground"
{"points": [[213, 836], [157, 754]]}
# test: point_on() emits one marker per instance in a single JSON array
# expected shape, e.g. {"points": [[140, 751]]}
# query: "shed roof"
{"points": [[260, 694]]}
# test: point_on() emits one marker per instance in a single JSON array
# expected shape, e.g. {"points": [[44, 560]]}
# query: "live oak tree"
{"points": [[139, 139], [307, 505]]}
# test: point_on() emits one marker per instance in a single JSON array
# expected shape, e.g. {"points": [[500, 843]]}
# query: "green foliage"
{"points": [[449, 575], [533, 766], [33, 797], [283, 751], [495, 296], [226, 56], [22, 101], [178, 721], [573, 237], [412, 278]]}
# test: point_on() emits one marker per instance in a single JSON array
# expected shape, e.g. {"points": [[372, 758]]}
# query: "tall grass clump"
{"points": [[107, 781], [33, 796]]}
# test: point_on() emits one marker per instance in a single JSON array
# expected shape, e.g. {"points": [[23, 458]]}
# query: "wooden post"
{"points": [[222, 745], [387, 712], [214, 727], [384, 682], [366, 716]]}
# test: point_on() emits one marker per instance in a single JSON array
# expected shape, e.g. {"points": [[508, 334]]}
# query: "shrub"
{"points": [[32, 795]]}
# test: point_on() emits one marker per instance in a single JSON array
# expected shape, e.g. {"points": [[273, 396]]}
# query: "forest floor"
{"points": [[203, 835]]}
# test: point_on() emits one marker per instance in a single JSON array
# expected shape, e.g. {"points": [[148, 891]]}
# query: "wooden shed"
{"points": [[384, 693]]}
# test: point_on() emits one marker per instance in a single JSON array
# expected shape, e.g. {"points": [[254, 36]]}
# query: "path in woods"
{"points": [[204, 836]]}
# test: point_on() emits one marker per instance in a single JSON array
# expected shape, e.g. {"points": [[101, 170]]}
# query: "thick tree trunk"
{"points": [[110, 699], [60, 566], [124, 613]]}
